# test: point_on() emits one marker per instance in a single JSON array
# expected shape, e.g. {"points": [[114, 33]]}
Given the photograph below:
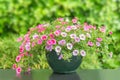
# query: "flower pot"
{"points": [[61, 65]]}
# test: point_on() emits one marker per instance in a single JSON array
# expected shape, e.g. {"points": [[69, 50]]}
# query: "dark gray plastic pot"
{"points": [[63, 66]]}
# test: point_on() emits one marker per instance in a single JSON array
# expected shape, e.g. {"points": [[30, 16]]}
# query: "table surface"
{"points": [[106, 74]]}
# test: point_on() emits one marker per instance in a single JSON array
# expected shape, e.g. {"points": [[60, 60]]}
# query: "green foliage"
{"points": [[8, 51]]}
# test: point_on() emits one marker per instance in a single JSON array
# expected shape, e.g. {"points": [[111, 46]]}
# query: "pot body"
{"points": [[63, 66]]}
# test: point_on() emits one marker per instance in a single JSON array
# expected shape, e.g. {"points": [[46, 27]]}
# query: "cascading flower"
{"points": [[18, 70], [83, 53], [99, 39], [98, 44], [77, 39], [74, 20], [39, 41], [18, 58], [75, 52], [19, 39], [58, 49], [73, 36], [49, 47], [62, 42], [44, 37], [21, 49], [102, 29], [82, 36], [14, 66], [63, 34], [68, 29], [57, 32], [90, 43], [27, 46], [69, 46], [35, 36]]}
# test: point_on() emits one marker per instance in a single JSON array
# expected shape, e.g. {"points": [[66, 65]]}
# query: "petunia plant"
{"points": [[67, 38]]}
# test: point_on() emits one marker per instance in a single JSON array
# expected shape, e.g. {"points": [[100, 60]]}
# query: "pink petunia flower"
{"points": [[43, 37], [94, 27], [74, 20], [29, 69], [49, 47], [60, 19], [62, 42], [75, 52], [90, 43], [53, 41], [51, 35], [57, 26], [77, 39], [110, 32], [102, 29], [49, 42], [33, 44], [27, 47], [21, 50], [57, 32], [39, 41], [35, 36], [40, 28], [83, 53], [19, 39], [14, 66], [21, 54], [18, 70], [18, 58], [99, 39], [86, 27]]}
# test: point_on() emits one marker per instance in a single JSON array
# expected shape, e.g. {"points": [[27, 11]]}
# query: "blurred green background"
{"points": [[16, 16]]}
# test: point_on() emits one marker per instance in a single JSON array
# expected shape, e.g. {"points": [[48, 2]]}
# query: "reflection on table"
{"points": [[70, 76], [107, 74]]}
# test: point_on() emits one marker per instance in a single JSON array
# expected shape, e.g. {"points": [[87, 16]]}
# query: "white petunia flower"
{"points": [[63, 34], [75, 52], [27, 47], [77, 39], [82, 36], [73, 36], [69, 46], [98, 44], [67, 29], [74, 27], [35, 36], [58, 49], [83, 53]]}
